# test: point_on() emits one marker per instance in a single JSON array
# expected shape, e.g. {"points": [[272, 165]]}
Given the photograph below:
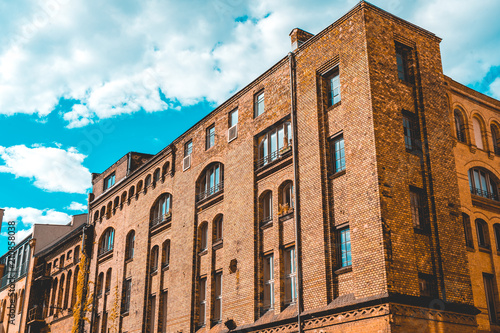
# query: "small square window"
{"points": [[210, 137], [109, 181], [259, 104]]}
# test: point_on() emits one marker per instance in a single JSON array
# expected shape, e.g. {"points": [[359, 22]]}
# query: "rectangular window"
{"points": [[268, 301], [333, 88], [275, 143], [164, 303], [417, 207], [290, 276], [218, 298], [338, 153], [152, 314], [259, 104], [489, 290], [467, 230], [233, 118], [402, 60], [188, 148], [427, 284], [345, 247], [127, 287], [411, 132], [109, 181], [202, 302], [104, 326], [210, 137]]}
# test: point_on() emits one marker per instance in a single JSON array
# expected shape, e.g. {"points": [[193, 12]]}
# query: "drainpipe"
{"points": [[298, 263], [84, 293]]}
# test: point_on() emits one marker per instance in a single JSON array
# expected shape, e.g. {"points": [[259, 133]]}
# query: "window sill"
{"points": [[406, 82], [287, 216], [484, 249], [343, 270], [416, 152], [470, 249], [485, 203], [331, 107], [129, 260], [125, 314], [155, 272], [203, 252], [422, 231], [266, 224], [218, 244], [337, 174], [165, 267]]}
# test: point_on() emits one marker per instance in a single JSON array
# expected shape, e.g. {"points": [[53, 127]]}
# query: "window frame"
{"points": [[403, 62], [266, 207], [427, 285], [109, 181], [344, 247], [210, 137], [332, 79], [126, 293], [202, 301], [280, 136], [106, 242], [219, 228], [259, 103], [130, 245], [491, 302], [483, 234], [418, 212], [290, 275], [204, 188], [337, 156], [411, 132], [230, 118], [217, 304], [188, 148], [469, 242], [460, 128], [268, 282], [484, 179]]}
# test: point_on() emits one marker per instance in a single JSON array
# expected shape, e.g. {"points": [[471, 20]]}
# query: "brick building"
{"points": [[337, 191]]}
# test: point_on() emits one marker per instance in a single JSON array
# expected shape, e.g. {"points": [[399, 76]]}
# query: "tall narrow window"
{"points": [[107, 241], [266, 207], [164, 304], [107, 286], [259, 104], [217, 297], [489, 290], [495, 136], [483, 183], [402, 60], [411, 133], [104, 325], [188, 148], [166, 253], [333, 89], [154, 259], [268, 270], [202, 303], [338, 153], [218, 225], [496, 230], [483, 236], [210, 141], [156, 176], [127, 288], [210, 181], [290, 276], [345, 247], [129, 251], [467, 230], [233, 118], [152, 309], [459, 126], [232, 132], [427, 285], [417, 207], [203, 237], [109, 181], [478, 133]]}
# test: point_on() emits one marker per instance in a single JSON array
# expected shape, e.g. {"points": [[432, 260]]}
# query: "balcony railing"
{"points": [[484, 194], [160, 219], [35, 313], [209, 192], [275, 155]]}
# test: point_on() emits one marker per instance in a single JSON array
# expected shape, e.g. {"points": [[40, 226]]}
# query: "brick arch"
{"points": [[156, 175], [165, 169]]}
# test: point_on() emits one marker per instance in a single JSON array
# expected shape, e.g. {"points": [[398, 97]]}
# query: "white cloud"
{"points": [[114, 57], [30, 215], [52, 169], [77, 206], [495, 88], [20, 235]]}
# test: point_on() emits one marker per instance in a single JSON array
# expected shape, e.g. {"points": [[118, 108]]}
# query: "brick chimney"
{"points": [[299, 37]]}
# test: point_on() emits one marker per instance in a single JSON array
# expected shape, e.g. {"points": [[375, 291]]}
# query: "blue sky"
{"points": [[84, 82]]}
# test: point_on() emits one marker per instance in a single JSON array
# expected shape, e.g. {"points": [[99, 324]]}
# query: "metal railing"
{"points": [[484, 194], [209, 192], [160, 219], [35, 313], [277, 154]]}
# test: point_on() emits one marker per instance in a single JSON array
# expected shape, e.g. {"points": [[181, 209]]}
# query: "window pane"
{"points": [[339, 154], [281, 137], [259, 104], [345, 247], [233, 118], [274, 146]]}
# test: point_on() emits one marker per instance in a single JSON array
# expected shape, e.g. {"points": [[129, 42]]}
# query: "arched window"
{"points": [[67, 291], [203, 236], [103, 211], [21, 301], [139, 187], [53, 298], [211, 181], [478, 132], [117, 204], [131, 192], [124, 198], [218, 228], [266, 207], [275, 143], [106, 241], [96, 216], [147, 182], [109, 210], [154, 259], [129, 246], [495, 136], [483, 236], [61, 261], [483, 183], [60, 293], [76, 257], [496, 230], [156, 176], [100, 284], [107, 286], [75, 283], [161, 210], [460, 126], [165, 169], [285, 198], [165, 254], [468, 230]]}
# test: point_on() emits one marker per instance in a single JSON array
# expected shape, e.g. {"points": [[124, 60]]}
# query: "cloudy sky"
{"points": [[84, 82]]}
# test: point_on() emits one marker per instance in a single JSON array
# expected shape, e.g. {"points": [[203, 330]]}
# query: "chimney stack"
{"points": [[299, 37]]}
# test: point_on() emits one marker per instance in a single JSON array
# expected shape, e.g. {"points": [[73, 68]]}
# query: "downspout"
{"points": [[298, 263], [86, 281]]}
